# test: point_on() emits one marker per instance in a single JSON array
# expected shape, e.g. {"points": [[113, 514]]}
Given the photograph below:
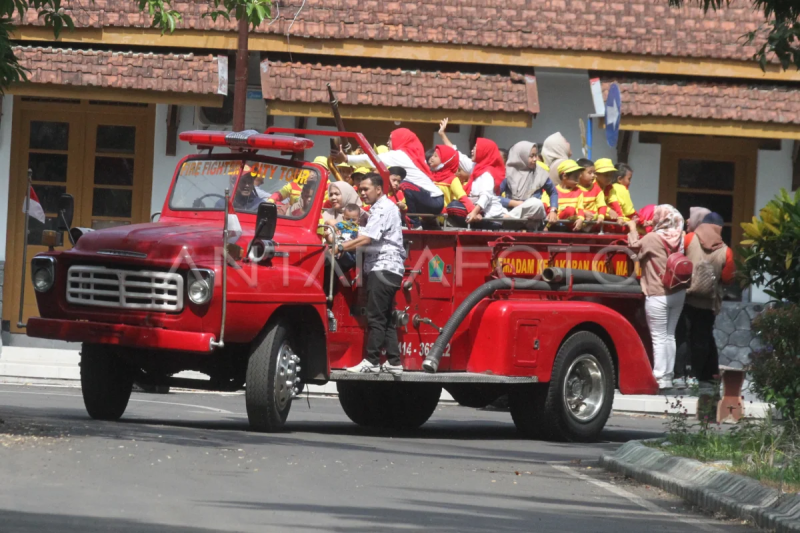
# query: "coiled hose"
{"points": [[563, 275], [431, 362]]}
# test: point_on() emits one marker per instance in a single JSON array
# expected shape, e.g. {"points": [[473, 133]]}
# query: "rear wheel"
{"points": [[388, 405], [106, 382], [577, 402], [273, 379]]}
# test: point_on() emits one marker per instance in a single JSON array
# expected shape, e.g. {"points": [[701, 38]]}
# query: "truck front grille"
{"points": [[125, 289]]}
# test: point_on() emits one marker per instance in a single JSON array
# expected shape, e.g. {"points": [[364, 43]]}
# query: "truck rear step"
{"points": [[424, 377]]}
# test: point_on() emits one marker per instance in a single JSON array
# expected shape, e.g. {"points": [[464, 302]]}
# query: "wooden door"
{"points": [[117, 183], [102, 155], [712, 172]]}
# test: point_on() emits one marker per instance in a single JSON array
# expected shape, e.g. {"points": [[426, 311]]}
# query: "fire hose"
{"points": [[431, 363]]}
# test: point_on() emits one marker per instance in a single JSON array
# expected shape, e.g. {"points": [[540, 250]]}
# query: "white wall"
{"points": [[646, 162], [164, 165], [322, 146], [564, 97], [774, 171], [461, 139], [5, 162]]}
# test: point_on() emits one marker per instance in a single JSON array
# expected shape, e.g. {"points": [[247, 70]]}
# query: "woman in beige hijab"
{"points": [[555, 150], [341, 194]]}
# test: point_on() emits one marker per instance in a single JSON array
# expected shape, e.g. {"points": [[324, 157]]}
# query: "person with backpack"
{"points": [[666, 273], [713, 267]]}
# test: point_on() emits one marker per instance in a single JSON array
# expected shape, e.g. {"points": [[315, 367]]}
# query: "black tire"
{"points": [[267, 397], [412, 404], [471, 395], [362, 402], [400, 406], [106, 382], [543, 410], [526, 404]]}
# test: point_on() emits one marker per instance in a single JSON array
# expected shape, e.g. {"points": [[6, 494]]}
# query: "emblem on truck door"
{"points": [[435, 269]]}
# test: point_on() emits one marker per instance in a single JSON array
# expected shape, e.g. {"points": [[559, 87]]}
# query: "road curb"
{"points": [[707, 487]]}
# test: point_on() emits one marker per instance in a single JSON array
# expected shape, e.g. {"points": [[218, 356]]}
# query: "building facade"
{"points": [[701, 123]]}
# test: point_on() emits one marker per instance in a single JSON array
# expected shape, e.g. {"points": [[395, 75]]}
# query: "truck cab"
{"points": [[235, 281]]}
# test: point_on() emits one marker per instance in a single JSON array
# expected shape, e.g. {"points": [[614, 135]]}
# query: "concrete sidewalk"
{"points": [[29, 364]]}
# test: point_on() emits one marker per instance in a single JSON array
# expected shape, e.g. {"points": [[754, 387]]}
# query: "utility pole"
{"points": [[240, 88]]}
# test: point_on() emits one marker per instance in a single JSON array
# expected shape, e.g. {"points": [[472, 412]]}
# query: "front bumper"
{"points": [[120, 335]]}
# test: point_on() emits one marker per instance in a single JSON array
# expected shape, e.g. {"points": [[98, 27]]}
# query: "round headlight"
{"points": [[43, 279], [199, 291]]}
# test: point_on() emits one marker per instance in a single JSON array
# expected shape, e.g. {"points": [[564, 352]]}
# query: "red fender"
{"points": [[522, 338]]}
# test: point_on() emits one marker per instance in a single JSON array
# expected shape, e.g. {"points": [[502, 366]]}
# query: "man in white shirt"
{"points": [[384, 265]]}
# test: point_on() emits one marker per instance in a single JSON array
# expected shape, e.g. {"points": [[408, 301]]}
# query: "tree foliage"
{"points": [[769, 253], [781, 27], [775, 368], [161, 13]]}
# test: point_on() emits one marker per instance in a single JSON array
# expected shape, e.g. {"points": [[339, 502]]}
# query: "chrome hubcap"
{"points": [[584, 392], [287, 376]]}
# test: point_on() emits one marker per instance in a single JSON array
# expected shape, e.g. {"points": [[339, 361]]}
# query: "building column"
{"points": [[6, 108]]}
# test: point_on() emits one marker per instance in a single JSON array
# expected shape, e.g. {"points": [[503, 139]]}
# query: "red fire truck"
{"points": [[552, 319]]}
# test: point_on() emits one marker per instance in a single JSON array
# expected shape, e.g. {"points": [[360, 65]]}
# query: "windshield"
{"points": [[201, 185]]}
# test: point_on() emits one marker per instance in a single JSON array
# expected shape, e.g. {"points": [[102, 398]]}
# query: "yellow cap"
{"points": [[382, 149], [604, 165], [362, 170], [545, 167], [344, 165], [321, 160], [568, 166]]}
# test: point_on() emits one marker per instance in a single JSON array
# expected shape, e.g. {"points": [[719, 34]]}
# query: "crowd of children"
{"points": [[539, 184]]}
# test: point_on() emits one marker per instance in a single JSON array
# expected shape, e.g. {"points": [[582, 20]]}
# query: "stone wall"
{"points": [[732, 333], [735, 340]]}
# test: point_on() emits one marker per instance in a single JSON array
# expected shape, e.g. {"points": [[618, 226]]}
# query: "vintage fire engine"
{"points": [[552, 319]]}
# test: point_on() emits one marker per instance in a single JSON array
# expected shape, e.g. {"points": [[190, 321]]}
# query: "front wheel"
{"points": [[106, 382], [577, 402], [273, 379]]}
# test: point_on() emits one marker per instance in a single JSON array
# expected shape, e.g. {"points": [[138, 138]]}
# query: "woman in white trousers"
{"points": [[662, 306]]}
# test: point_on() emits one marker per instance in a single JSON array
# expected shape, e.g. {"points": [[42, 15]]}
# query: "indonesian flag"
{"points": [[36, 208]]}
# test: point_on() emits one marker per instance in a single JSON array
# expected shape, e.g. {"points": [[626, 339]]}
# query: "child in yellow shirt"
{"points": [[569, 195], [622, 191], [606, 176], [593, 199]]}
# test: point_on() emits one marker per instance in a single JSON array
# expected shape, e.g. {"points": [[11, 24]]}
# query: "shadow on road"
{"points": [[544, 514], [445, 438], [19, 522]]}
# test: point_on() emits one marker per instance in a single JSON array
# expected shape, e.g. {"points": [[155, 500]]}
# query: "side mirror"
{"points": [[66, 212], [266, 221], [77, 233]]}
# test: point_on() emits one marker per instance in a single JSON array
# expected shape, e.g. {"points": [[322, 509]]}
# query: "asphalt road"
{"points": [[186, 463]]}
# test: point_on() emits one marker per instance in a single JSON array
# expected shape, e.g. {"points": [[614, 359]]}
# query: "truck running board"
{"points": [[424, 377]]}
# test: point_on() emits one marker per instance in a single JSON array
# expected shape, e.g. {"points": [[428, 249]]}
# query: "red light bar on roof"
{"points": [[247, 139]]}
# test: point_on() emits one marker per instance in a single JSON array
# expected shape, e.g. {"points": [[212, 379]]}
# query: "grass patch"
{"points": [[766, 450]]}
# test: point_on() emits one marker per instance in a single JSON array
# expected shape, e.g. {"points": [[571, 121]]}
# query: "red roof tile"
{"points": [[304, 82], [699, 99], [631, 26], [183, 73]]}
